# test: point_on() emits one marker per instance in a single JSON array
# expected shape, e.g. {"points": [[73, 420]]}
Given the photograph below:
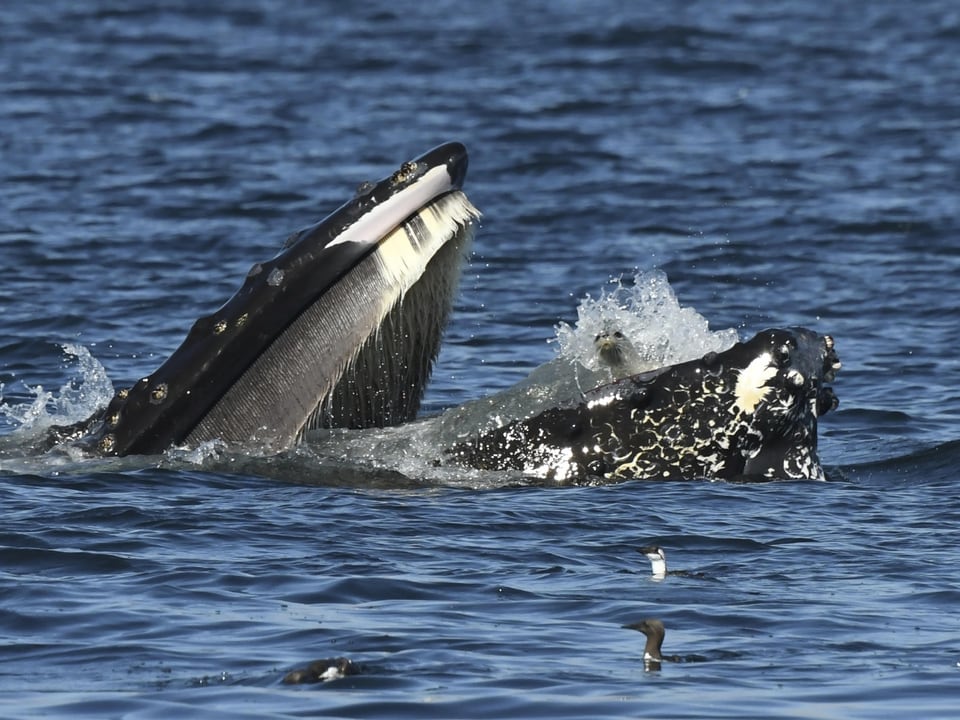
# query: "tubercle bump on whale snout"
{"points": [[827, 401], [831, 360]]}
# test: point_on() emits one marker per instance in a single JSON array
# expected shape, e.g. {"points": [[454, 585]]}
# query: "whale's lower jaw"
{"points": [[361, 357], [341, 328], [749, 412]]}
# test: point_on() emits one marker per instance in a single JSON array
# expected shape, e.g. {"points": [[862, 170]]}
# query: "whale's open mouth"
{"points": [[341, 328], [748, 412]]}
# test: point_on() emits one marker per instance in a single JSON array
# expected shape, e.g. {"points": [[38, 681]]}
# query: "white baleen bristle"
{"points": [[393, 350], [404, 253]]}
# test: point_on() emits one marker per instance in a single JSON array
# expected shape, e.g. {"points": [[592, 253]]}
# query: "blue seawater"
{"points": [[784, 163]]}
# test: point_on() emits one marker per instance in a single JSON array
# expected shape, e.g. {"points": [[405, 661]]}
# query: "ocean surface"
{"points": [[781, 163]]}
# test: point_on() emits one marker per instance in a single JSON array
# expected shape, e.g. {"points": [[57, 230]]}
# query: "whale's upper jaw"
{"points": [[782, 442], [257, 370], [748, 412]]}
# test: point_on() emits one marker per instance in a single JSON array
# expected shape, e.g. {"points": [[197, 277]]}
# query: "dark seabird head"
{"points": [[652, 651], [655, 632], [322, 671]]}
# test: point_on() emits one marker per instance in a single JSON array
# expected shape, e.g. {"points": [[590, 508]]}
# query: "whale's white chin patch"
{"points": [[752, 383]]}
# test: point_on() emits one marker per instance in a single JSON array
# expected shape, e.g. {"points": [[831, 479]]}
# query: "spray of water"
{"points": [[654, 328], [89, 390]]}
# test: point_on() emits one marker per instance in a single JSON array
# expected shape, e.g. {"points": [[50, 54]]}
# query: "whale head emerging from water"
{"points": [[749, 412], [340, 329]]}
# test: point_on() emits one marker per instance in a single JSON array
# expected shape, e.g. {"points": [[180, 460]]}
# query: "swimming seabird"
{"points": [[652, 652], [658, 564], [322, 671], [658, 560]]}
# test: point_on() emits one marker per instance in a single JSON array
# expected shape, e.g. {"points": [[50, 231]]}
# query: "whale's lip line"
{"points": [[427, 187], [392, 202], [371, 227]]}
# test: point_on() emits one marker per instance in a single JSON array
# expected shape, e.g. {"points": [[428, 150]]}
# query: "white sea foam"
{"points": [[205, 452]]}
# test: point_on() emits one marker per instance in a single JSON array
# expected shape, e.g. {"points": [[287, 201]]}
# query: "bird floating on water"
{"points": [[658, 560], [653, 651], [322, 671], [658, 564]]}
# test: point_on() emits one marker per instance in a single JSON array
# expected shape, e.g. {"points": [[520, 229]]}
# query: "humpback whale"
{"points": [[748, 412], [340, 329]]}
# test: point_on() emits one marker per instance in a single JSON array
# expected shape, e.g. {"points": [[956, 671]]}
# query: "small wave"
{"points": [[937, 464]]}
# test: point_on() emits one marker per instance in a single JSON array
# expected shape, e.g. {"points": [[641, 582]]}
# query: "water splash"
{"points": [[658, 330], [204, 453], [77, 399], [649, 317]]}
